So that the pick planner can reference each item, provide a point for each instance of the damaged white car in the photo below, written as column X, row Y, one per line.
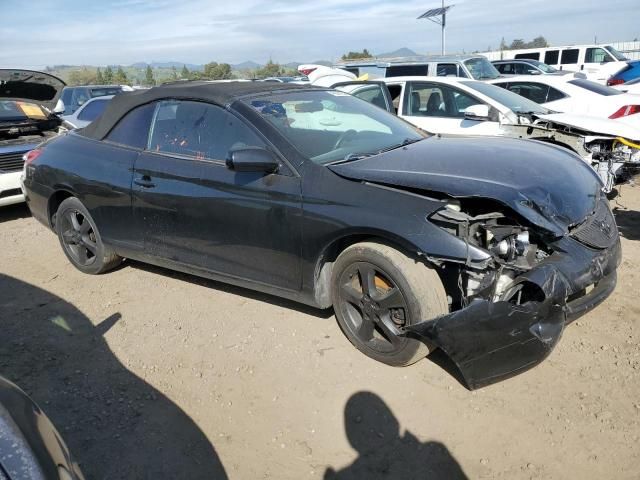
column 449, row 106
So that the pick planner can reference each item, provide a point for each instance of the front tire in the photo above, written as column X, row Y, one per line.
column 80, row 239
column 377, row 289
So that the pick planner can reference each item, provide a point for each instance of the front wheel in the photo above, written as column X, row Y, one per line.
column 80, row 239
column 376, row 290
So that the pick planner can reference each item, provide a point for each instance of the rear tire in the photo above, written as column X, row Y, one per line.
column 397, row 290
column 80, row 239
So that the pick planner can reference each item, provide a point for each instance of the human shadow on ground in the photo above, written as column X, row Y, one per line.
column 374, row 432
column 115, row 424
column 628, row 223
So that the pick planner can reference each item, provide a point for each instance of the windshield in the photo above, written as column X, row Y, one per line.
column 481, row 68
column 618, row 56
column 595, row 87
column 330, row 126
column 512, row 101
column 543, row 66
column 12, row 111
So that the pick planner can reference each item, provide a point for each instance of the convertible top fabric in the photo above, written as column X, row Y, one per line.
column 218, row 93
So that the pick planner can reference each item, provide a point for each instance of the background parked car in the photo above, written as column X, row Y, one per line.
column 526, row 67
column 74, row 97
column 596, row 61
column 30, row 446
column 24, row 124
column 576, row 96
column 465, row 66
column 88, row 112
column 450, row 106
column 628, row 73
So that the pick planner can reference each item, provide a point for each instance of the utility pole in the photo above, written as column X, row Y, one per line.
column 438, row 16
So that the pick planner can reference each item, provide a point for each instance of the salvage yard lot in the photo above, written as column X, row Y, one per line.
column 152, row 374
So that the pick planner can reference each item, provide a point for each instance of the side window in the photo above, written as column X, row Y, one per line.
column 199, row 130
column 570, row 56
column 535, row 92
column 529, row 55
column 93, row 110
column 372, row 94
column 447, row 70
column 506, row 68
column 429, row 100
column 551, row 57
column 133, row 129
column 596, row 55
column 407, row 70
column 554, row 94
column 520, row 69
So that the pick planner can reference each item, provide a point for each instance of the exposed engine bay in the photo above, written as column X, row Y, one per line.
column 515, row 248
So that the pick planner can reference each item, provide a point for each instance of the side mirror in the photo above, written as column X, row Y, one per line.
column 477, row 112
column 534, row 72
column 59, row 108
column 252, row 159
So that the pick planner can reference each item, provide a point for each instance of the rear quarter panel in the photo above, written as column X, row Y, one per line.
column 99, row 174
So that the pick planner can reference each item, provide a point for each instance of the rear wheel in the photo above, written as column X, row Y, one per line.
column 376, row 290
column 81, row 240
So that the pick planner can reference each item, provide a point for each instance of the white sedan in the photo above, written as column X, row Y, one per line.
column 450, row 106
column 88, row 112
column 576, row 95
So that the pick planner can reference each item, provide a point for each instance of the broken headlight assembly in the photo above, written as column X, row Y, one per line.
column 514, row 247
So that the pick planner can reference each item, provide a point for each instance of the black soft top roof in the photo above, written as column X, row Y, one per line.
column 221, row 94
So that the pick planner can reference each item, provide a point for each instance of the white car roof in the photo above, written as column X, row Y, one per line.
column 423, row 78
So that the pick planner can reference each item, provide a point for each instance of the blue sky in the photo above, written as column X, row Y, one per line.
column 34, row 33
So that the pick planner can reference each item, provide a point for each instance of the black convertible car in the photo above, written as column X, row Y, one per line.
column 484, row 248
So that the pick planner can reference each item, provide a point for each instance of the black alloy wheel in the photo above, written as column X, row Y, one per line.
column 373, row 307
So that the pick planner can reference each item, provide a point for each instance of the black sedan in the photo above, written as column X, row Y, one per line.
column 484, row 248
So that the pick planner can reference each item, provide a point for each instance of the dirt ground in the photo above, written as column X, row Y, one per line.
column 152, row 374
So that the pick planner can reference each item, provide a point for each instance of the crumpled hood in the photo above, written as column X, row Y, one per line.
column 549, row 186
column 596, row 125
column 30, row 86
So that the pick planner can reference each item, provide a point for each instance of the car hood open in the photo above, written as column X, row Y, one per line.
column 549, row 186
column 30, row 86
column 595, row 125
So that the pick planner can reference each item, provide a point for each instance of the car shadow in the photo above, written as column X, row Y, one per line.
column 232, row 289
column 115, row 424
column 14, row 212
column 374, row 432
column 628, row 223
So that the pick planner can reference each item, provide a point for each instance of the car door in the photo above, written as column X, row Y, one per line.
column 196, row 212
column 440, row 109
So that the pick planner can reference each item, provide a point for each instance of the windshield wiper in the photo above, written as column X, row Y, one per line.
column 404, row 143
column 352, row 157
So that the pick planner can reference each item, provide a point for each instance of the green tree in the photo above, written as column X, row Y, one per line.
column 271, row 69
column 357, row 55
column 538, row 42
column 217, row 71
column 184, row 73
column 148, row 77
column 174, row 73
column 120, row 77
column 99, row 77
column 517, row 44
column 108, row 75
column 82, row 76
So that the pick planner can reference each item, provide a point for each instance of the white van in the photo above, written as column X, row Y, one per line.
column 597, row 62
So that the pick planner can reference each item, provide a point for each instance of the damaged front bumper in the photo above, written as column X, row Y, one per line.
column 491, row 341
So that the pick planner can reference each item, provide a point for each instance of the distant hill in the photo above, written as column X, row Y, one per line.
column 248, row 65
column 178, row 65
column 401, row 52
